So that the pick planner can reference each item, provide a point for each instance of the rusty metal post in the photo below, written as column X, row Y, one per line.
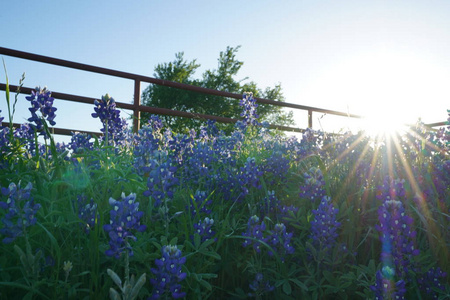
column 310, row 118
column 136, row 104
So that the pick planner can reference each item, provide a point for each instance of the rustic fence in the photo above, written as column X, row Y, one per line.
column 137, row 107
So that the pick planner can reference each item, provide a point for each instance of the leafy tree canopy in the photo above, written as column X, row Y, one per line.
column 223, row 78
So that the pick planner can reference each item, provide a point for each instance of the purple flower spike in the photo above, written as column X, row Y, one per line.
column 105, row 110
column 41, row 101
column 280, row 241
column 204, row 229
column 248, row 104
column 125, row 219
column 254, row 230
column 314, row 186
column 20, row 211
column 168, row 274
column 324, row 227
column 432, row 280
column 259, row 286
column 396, row 235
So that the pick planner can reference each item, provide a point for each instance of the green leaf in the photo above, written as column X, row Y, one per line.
column 206, row 284
column 114, row 295
column 174, row 241
column 211, row 254
column 329, row 276
column 137, row 287
column 115, row 278
column 311, row 248
column 299, row 284
column 206, row 244
column 287, row 289
column 197, row 241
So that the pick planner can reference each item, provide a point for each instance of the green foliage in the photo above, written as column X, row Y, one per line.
column 224, row 79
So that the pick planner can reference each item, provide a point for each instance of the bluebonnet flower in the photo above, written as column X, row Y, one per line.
column 431, row 280
column 124, row 220
column 87, row 212
column 4, row 141
column 180, row 146
column 280, row 241
column 391, row 189
column 147, row 145
column 105, row 110
column 25, row 134
column 386, row 288
column 210, row 131
column 80, row 142
column 324, row 227
column 397, row 237
column 314, row 186
column 248, row 104
column 161, row 182
column 254, row 230
column 119, row 133
column 204, row 229
column 41, row 101
column 197, row 168
column 228, row 185
column 309, row 144
column 199, row 203
column 259, row 286
column 168, row 274
column 250, row 175
column 276, row 166
column 269, row 205
column 20, row 211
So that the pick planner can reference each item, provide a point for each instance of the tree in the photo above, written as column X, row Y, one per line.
column 223, row 79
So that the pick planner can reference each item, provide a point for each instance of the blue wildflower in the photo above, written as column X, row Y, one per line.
column 391, row 189
column 20, row 211
column 124, row 220
column 259, row 286
column 87, row 212
column 250, row 176
column 248, row 104
column 431, row 281
column 147, row 145
column 397, row 237
column 314, row 186
column 386, row 288
column 254, row 230
column 276, row 166
column 161, row 182
column 41, row 101
column 199, row 203
column 204, row 229
column 280, row 241
column 324, row 227
column 168, row 274
column 105, row 110
column 80, row 142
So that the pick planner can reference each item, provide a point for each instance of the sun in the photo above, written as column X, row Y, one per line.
column 381, row 124
column 388, row 88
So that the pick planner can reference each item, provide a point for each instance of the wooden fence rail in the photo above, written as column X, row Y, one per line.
column 137, row 107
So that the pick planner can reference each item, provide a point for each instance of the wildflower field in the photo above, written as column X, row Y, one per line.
column 206, row 215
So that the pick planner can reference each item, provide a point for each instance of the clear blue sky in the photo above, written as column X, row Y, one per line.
column 358, row 56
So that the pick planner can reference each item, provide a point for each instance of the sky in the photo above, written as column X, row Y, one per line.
column 389, row 60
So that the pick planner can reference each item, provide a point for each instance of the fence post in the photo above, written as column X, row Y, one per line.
column 310, row 118
column 136, row 104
